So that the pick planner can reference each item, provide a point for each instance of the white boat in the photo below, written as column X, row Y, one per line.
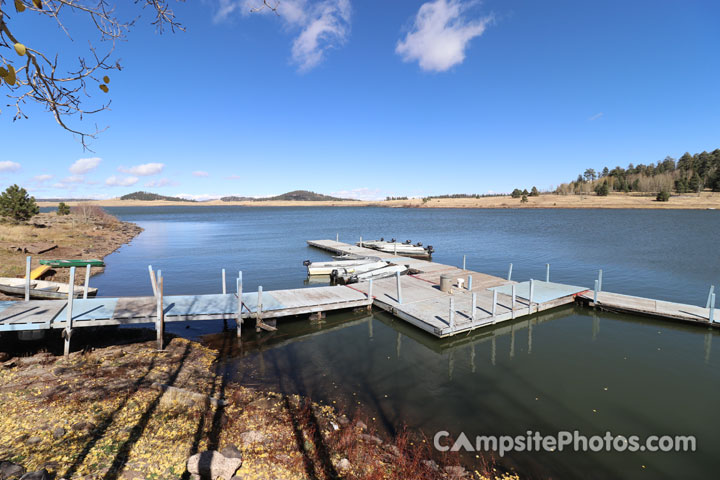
column 326, row 268
column 382, row 272
column 406, row 248
column 41, row 289
column 356, row 269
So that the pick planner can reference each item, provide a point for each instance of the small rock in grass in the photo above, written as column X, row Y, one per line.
column 430, row 464
column 231, row 452
column 212, row 464
column 59, row 432
column 455, row 471
column 344, row 465
column 252, row 436
column 33, row 440
column 9, row 470
column 39, row 475
column 361, row 425
column 370, row 439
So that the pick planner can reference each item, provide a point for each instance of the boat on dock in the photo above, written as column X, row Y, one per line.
column 383, row 272
column 94, row 262
column 398, row 248
column 345, row 262
column 40, row 289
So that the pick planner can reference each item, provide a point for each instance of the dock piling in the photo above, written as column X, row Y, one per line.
column 599, row 281
column 469, row 282
column 463, row 262
column 87, row 281
column 238, row 320
column 510, row 273
column 68, row 325
column 369, row 294
column 361, row 242
column 711, row 317
column 512, row 305
column 159, row 305
column 532, row 290
column 451, row 320
column 595, row 292
column 224, row 286
column 710, row 294
column 494, row 307
column 547, row 272
column 258, row 313
column 337, row 237
column 28, row 261
column 153, row 281
column 474, row 306
column 399, row 288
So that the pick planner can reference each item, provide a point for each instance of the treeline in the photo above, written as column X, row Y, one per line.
column 690, row 173
column 148, row 196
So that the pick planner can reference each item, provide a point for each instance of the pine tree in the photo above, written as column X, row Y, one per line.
column 17, row 204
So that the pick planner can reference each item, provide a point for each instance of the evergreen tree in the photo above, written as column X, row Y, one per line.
column 534, row 192
column 17, row 204
column 63, row 209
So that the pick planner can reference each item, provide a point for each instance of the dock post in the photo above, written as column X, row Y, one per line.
column 153, row 282
column 494, row 307
column 599, row 287
column 395, row 248
column 474, row 306
column 68, row 324
column 710, row 294
column 547, row 272
column 399, row 288
column 595, row 292
column 159, row 310
column 451, row 321
column 463, row 262
column 238, row 320
column 87, row 280
column 223, row 282
column 28, row 261
column 530, row 300
column 361, row 244
column 258, row 312
column 711, row 317
column 370, row 296
column 469, row 282
column 513, row 301
column 510, row 273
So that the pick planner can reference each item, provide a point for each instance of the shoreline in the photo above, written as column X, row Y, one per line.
column 124, row 410
column 701, row 201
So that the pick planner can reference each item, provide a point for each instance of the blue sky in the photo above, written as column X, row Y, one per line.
column 374, row 98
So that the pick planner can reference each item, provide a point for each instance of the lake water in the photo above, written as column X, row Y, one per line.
column 567, row 369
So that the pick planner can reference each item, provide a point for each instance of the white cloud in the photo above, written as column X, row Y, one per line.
column 200, row 173
column 42, row 178
column 143, row 170
column 7, row 166
column 121, row 181
column 322, row 24
column 85, row 165
column 73, row 179
column 596, row 116
column 440, row 35
column 162, row 182
column 359, row 194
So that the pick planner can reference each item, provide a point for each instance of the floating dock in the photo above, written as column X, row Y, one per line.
column 442, row 300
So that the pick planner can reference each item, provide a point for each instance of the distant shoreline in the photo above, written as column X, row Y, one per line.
column 702, row 201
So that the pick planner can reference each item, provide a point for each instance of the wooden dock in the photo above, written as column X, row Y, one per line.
column 417, row 298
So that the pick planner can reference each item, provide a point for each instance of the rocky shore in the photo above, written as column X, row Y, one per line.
column 131, row 412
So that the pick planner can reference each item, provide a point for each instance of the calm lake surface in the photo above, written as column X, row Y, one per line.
column 567, row 369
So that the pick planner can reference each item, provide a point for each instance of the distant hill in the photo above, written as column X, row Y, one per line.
column 147, row 196
column 65, row 199
column 294, row 196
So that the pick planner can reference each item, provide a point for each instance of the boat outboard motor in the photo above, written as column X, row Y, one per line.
column 419, row 244
column 430, row 249
column 353, row 279
column 307, row 263
column 407, row 242
column 382, row 239
column 392, row 240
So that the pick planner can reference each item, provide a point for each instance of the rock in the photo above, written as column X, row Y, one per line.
column 455, row 471
column 264, row 403
column 185, row 397
column 12, row 363
column 212, row 464
column 4, row 357
column 361, row 425
column 431, row 465
column 59, row 432
column 231, row 452
column 42, row 358
column 33, row 440
column 344, row 465
column 395, row 451
column 9, row 471
column 39, row 475
column 370, row 439
column 252, row 436
column 83, row 426
column 343, row 420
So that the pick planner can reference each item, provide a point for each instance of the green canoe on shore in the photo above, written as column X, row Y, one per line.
column 72, row 263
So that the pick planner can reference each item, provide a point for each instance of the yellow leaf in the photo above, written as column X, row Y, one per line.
column 3, row 72
column 104, row 88
column 106, row 79
column 20, row 49
column 10, row 77
column 19, row 6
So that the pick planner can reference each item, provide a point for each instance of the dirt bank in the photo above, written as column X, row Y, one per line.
column 80, row 235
